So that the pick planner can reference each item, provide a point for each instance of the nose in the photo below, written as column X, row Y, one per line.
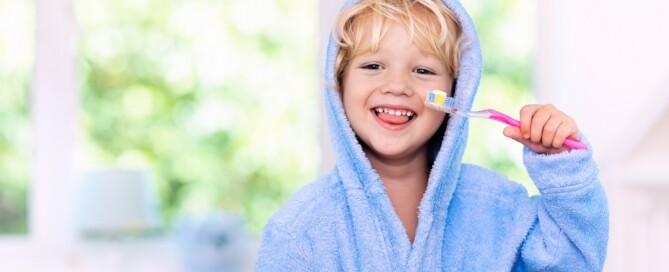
column 397, row 83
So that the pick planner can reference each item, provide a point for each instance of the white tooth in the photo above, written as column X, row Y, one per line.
column 378, row 110
column 409, row 114
column 391, row 112
column 398, row 113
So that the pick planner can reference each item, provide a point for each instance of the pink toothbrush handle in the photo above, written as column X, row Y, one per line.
column 501, row 117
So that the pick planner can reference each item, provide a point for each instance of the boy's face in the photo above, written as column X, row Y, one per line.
column 383, row 95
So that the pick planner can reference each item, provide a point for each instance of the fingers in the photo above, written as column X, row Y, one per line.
column 550, row 132
column 513, row 133
column 539, row 120
column 560, row 135
column 543, row 128
column 566, row 130
column 526, row 114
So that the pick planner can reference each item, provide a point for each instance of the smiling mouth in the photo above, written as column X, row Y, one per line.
column 394, row 116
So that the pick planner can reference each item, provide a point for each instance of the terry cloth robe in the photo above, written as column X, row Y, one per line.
column 469, row 219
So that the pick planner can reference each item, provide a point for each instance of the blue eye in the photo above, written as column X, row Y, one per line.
column 372, row 66
column 424, row 71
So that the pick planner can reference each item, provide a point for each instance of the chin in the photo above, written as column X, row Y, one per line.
column 390, row 151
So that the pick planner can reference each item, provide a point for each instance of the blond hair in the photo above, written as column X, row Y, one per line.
column 430, row 24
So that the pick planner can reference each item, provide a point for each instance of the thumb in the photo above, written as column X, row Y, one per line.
column 514, row 133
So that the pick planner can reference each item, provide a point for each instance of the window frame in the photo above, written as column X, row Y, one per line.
column 53, row 104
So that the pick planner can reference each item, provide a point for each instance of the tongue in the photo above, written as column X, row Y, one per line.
column 393, row 119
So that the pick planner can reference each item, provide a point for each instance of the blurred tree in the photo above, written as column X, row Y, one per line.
column 217, row 98
column 507, row 31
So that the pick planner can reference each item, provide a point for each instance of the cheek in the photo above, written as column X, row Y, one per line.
column 436, row 120
column 351, row 105
column 353, row 96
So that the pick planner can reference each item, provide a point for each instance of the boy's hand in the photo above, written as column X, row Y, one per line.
column 543, row 128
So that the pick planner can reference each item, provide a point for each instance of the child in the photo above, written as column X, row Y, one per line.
column 399, row 198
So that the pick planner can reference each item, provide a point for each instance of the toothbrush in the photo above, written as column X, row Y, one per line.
column 440, row 101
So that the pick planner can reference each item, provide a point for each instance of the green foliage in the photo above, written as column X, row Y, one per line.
column 16, row 54
column 217, row 98
column 507, row 34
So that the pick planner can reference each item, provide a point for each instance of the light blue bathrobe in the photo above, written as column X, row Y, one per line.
column 470, row 218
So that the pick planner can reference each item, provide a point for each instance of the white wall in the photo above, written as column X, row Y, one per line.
column 607, row 63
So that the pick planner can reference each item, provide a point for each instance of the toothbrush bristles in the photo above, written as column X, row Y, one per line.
column 439, row 100
column 442, row 108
